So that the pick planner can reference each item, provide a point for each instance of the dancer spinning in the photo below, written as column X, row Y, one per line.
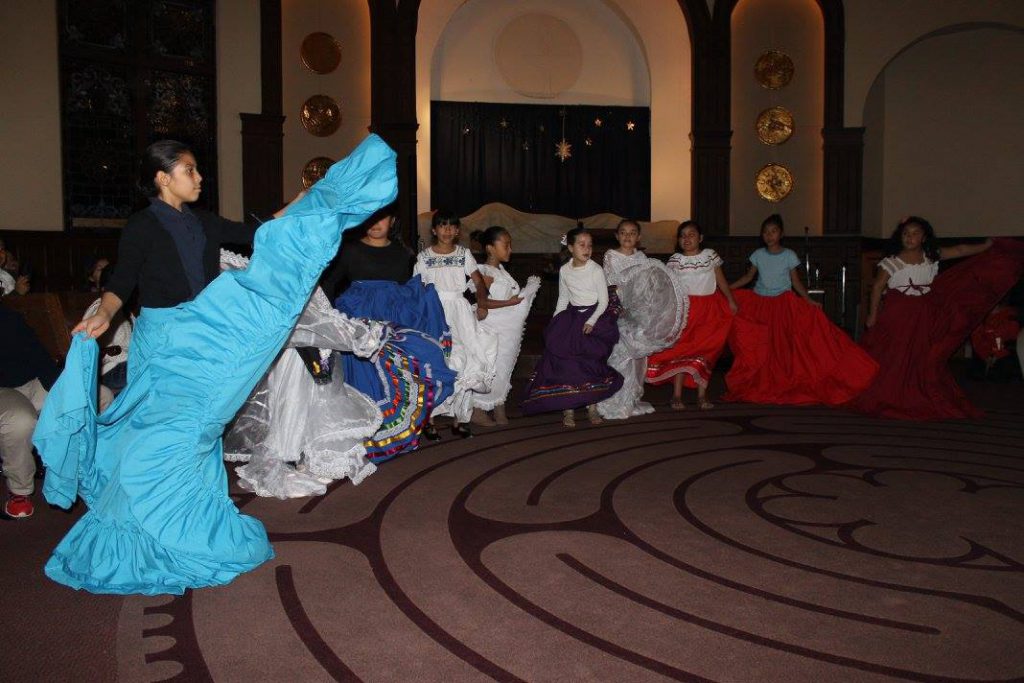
column 691, row 359
column 786, row 351
column 925, row 317
column 574, row 371
column 303, row 426
column 410, row 377
column 652, row 310
column 507, row 308
column 149, row 468
column 448, row 266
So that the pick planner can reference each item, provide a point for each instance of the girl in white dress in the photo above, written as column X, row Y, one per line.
column 448, row 266
column 654, row 306
column 507, row 308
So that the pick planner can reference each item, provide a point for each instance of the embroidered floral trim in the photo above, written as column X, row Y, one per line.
column 456, row 259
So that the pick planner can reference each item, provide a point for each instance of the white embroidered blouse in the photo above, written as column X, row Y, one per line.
column 616, row 262
column 912, row 279
column 697, row 271
column 447, row 272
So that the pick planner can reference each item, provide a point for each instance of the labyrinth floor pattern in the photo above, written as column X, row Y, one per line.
column 744, row 544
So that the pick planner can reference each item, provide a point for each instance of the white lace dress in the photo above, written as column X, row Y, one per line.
column 507, row 324
column 474, row 348
column 653, row 313
column 294, row 435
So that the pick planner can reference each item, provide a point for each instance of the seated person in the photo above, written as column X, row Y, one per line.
column 26, row 374
column 10, row 281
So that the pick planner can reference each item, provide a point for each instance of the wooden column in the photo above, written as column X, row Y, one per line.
column 393, row 95
column 711, row 137
column 843, row 147
column 263, row 133
column 843, row 182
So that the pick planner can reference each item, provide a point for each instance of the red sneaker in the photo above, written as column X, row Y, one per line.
column 19, row 507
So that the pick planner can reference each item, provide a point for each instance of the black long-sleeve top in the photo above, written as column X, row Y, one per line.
column 148, row 259
column 22, row 356
column 360, row 261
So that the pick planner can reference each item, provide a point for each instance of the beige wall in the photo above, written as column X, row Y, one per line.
column 30, row 175
column 876, row 30
column 349, row 22
column 795, row 27
column 945, row 135
column 634, row 52
column 238, row 91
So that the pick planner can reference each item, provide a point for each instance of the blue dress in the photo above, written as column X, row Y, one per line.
column 410, row 376
column 150, row 467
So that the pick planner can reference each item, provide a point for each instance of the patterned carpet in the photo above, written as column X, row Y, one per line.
column 749, row 543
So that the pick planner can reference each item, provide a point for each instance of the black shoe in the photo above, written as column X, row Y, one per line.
column 461, row 431
column 430, row 433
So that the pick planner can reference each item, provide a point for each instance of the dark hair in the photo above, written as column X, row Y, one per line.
column 688, row 224
column 930, row 244
column 489, row 236
column 629, row 221
column 445, row 217
column 389, row 211
column 162, row 155
column 776, row 220
column 570, row 237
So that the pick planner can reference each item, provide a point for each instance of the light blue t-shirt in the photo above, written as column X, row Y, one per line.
column 773, row 271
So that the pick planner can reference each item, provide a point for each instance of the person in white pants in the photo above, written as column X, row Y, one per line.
column 26, row 373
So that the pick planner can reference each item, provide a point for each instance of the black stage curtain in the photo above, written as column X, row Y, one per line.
column 483, row 152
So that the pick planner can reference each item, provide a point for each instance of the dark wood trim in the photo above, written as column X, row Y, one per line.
column 270, row 57
column 843, row 180
column 393, row 94
column 263, row 133
column 262, row 165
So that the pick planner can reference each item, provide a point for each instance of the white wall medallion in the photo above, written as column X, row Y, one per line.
column 538, row 55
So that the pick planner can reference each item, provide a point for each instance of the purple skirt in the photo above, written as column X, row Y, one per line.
column 574, row 370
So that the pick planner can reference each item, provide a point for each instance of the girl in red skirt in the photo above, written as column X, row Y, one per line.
column 691, row 359
column 786, row 351
column 926, row 317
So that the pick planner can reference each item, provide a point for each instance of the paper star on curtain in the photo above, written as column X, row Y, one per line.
column 563, row 150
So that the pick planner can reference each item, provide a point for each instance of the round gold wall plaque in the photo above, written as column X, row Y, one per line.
column 314, row 170
column 320, row 115
column 774, row 182
column 320, row 53
column 773, row 70
column 774, row 126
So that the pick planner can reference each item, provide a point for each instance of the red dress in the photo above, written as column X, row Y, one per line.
column 990, row 337
column 915, row 336
column 707, row 325
column 786, row 351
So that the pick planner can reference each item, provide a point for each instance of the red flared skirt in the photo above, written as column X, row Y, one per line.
column 915, row 336
column 786, row 351
column 699, row 345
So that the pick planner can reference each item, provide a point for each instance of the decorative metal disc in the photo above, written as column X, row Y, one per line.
column 774, row 126
column 774, row 182
column 773, row 70
column 320, row 115
column 314, row 170
column 320, row 53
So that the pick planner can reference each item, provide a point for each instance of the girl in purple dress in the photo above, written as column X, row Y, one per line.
column 574, row 370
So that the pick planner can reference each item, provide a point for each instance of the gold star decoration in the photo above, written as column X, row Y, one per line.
column 503, row 123
column 598, row 122
column 563, row 150
column 630, row 125
column 465, row 130
column 526, row 146
column 588, row 142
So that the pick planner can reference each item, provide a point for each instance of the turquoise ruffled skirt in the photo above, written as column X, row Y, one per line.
column 150, row 467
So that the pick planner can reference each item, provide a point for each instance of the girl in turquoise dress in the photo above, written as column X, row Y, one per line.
column 150, row 467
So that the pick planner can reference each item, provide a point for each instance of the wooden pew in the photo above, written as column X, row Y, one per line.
column 45, row 315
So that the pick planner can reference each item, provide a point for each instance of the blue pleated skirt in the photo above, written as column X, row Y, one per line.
column 409, row 377
column 150, row 467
